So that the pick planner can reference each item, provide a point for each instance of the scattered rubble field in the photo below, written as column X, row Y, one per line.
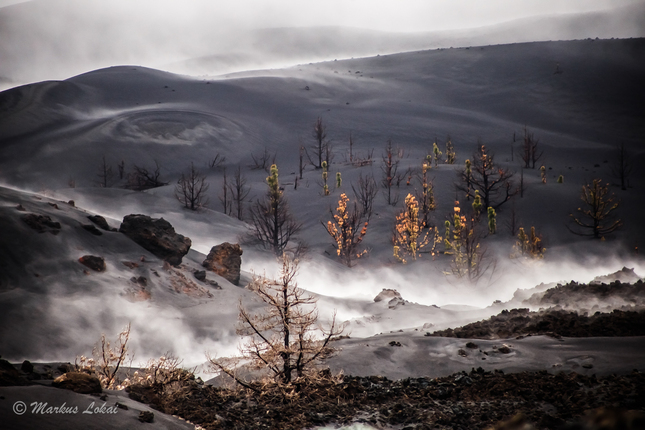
column 474, row 400
column 556, row 323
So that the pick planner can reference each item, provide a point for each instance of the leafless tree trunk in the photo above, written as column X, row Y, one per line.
column 239, row 191
column 530, row 154
column 622, row 166
column 319, row 133
column 283, row 338
column 121, row 166
column 262, row 161
column 104, row 174
column 365, row 191
column 225, row 198
column 390, row 166
column 493, row 183
column 216, row 161
column 273, row 223
column 512, row 222
column 191, row 189
column 142, row 179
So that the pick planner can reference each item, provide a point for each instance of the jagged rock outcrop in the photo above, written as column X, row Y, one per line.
column 78, row 382
column 386, row 295
column 157, row 236
column 392, row 297
column 225, row 259
column 625, row 275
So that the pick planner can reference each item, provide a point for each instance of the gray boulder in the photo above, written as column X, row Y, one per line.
column 157, row 236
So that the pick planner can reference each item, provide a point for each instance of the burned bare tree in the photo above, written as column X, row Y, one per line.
column 390, row 167
column 216, row 161
column 512, row 223
column 104, row 175
column 225, row 197
column 622, row 166
column 121, row 167
column 239, row 192
column 143, row 179
column 285, row 338
column 492, row 182
column 273, row 223
column 320, row 134
column 530, row 153
column 597, row 217
column 191, row 189
column 365, row 191
column 262, row 161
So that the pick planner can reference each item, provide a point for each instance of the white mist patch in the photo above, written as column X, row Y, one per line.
column 427, row 283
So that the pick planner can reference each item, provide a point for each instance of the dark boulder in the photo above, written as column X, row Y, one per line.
column 41, row 223
column 200, row 275
column 146, row 416
column 157, row 236
column 27, row 367
column 100, row 221
column 92, row 229
column 78, row 382
column 225, row 259
column 93, row 262
column 9, row 375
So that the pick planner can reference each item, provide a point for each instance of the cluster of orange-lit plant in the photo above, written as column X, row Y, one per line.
column 344, row 229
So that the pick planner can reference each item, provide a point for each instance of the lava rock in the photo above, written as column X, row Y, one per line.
column 92, row 229
column 27, row 367
column 146, row 417
column 78, row 382
column 9, row 375
column 157, row 236
column 225, row 259
column 200, row 275
column 41, row 223
column 100, row 221
column 93, row 262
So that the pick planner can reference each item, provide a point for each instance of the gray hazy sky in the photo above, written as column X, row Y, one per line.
column 399, row 15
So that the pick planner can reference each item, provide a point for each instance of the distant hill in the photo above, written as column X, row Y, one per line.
column 56, row 39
